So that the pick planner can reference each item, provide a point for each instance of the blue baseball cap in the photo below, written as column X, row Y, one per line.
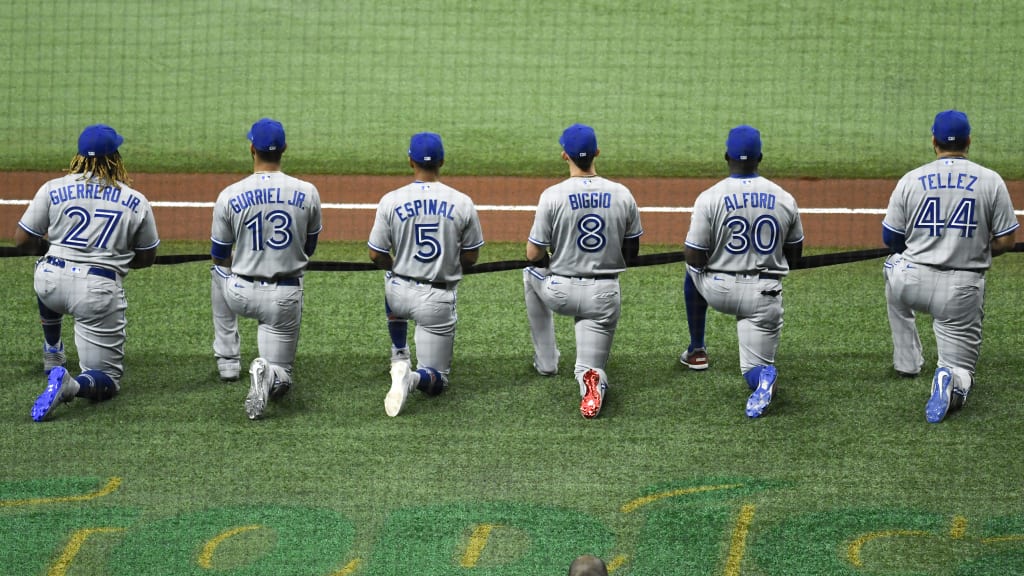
column 99, row 140
column 579, row 141
column 743, row 143
column 951, row 126
column 426, row 148
column 267, row 135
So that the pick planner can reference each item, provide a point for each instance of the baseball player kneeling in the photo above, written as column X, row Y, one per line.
column 98, row 228
column 945, row 222
column 434, row 233
column 585, row 231
column 744, row 233
column 273, row 222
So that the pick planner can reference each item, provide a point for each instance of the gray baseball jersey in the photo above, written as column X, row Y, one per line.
column 92, row 228
column 582, row 220
column 742, row 223
column 91, row 223
column 267, row 217
column 949, row 210
column 420, row 222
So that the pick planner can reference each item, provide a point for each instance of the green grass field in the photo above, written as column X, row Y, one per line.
column 839, row 89
column 500, row 475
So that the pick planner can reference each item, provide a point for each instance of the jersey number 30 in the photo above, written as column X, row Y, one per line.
column 762, row 233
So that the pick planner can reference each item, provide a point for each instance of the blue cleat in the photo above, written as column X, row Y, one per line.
column 58, row 389
column 764, row 392
column 942, row 388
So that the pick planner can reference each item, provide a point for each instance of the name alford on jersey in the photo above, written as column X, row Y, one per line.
column 749, row 200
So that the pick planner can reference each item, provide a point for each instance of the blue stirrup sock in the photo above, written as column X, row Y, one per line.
column 398, row 329
column 696, row 314
column 51, row 322
column 431, row 381
column 95, row 385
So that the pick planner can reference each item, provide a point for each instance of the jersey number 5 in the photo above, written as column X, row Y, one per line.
column 429, row 245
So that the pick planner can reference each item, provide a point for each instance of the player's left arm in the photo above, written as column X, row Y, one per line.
column 468, row 258
column 537, row 255
column 383, row 260
column 1005, row 243
column 30, row 244
column 143, row 259
column 695, row 258
column 630, row 249
column 793, row 251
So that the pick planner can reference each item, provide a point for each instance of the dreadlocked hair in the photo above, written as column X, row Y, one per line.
column 107, row 169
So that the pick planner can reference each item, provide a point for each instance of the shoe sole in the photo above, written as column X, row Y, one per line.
column 937, row 407
column 697, row 367
column 396, row 396
column 590, row 406
column 256, row 401
column 763, row 395
column 51, row 396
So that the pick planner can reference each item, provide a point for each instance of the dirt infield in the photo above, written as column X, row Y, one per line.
column 666, row 227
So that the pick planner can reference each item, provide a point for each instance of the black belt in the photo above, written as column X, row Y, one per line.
column 762, row 275
column 94, row 270
column 438, row 285
column 597, row 277
column 280, row 281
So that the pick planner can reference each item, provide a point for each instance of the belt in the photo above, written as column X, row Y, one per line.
column 280, row 281
column 94, row 270
column 596, row 277
column 762, row 275
column 438, row 285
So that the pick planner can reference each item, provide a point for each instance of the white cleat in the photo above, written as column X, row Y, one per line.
column 229, row 370
column 401, row 385
column 259, row 390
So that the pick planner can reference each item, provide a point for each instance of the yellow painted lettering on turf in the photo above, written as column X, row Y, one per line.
column 853, row 550
column 349, row 568
column 998, row 539
column 616, row 563
column 60, row 568
column 107, row 489
column 959, row 528
column 477, row 543
column 644, row 500
column 206, row 555
column 738, row 541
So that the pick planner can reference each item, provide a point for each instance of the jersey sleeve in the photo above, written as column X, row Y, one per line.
column 698, row 236
column 796, row 227
column 540, row 233
column 315, row 224
column 36, row 220
column 634, row 228
column 1004, row 220
column 146, row 236
column 380, row 234
column 472, row 234
column 221, row 231
column 895, row 215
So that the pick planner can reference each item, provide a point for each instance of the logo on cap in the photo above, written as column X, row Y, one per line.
column 579, row 141
column 743, row 143
column 426, row 148
column 951, row 126
column 267, row 135
column 99, row 140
